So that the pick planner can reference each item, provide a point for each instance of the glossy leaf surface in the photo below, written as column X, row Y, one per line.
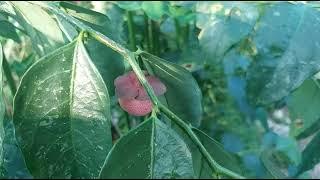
column 62, row 115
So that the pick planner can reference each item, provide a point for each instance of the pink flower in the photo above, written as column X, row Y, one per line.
column 131, row 95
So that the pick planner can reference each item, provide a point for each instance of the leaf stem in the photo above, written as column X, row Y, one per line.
column 195, row 139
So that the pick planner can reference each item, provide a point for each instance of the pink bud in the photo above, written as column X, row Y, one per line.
column 158, row 87
column 125, row 87
column 132, row 96
column 136, row 107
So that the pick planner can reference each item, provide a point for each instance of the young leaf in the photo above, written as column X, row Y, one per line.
column 152, row 150
column 183, row 94
column 303, row 105
column 285, row 59
column 40, row 26
column 62, row 115
column 7, row 30
column 310, row 155
column 95, row 20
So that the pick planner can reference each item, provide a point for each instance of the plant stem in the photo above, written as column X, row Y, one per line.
column 155, row 32
column 146, row 34
column 194, row 138
column 8, row 74
column 150, row 36
column 128, row 120
column 142, row 79
column 116, row 134
column 186, row 34
column 212, row 96
column 131, row 30
column 177, row 26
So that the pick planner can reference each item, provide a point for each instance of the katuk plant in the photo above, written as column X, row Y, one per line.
column 137, row 94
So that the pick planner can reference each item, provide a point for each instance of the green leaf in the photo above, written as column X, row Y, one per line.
column 40, row 26
column 95, row 20
column 303, row 106
column 271, row 167
column 6, row 8
column 108, row 62
column 289, row 147
column 1, row 86
column 183, row 14
column 129, row 5
column 284, row 57
column 220, row 33
column 7, row 30
column 183, row 95
column 62, row 115
column 218, row 36
column 14, row 166
column 201, row 166
column 2, row 111
column 68, row 30
column 155, row 9
column 202, row 169
column 152, row 150
column 21, row 67
column 310, row 155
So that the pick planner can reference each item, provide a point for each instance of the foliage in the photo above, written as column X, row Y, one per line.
column 170, row 89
